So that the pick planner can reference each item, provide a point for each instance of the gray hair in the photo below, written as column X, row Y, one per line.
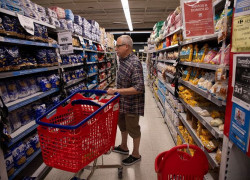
column 126, row 39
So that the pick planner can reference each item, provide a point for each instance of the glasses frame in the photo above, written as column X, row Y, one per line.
column 117, row 46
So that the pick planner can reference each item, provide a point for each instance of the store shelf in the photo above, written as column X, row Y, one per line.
column 104, row 79
column 167, row 121
column 75, row 81
column 168, row 86
column 200, row 39
column 202, row 92
column 27, row 100
column 168, row 48
column 26, row 42
column 100, row 71
column 170, row 34
column 71, row 65
column 22, row 132
column 210, row 156
column 92, row 62
column 204, row 120
column 202, row 65
column 101, row 61
column 12, row 13
column 169, row 75
column 77, row 48
column 167, row 61
column 28, row 71
column 28, row 161
column 92, row 86
column 92, row 74
column 161, row 109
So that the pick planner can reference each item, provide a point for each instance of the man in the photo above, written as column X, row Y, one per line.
column 130, row 84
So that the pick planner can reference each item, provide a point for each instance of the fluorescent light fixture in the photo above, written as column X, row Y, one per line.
column 127, row 14
column 131, row 32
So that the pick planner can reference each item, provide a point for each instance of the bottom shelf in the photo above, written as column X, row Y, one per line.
column 28, row 161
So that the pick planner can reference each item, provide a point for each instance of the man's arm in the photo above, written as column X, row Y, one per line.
column 123, row 91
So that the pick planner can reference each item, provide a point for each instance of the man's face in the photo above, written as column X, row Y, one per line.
column 121, row 49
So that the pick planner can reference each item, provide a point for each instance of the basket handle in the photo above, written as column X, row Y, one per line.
column 184, row 146
column 87, row 102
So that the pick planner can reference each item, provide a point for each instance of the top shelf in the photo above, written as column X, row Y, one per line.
column 170, row 34
column 169, row 48
column 12, row 13
column 200, row 39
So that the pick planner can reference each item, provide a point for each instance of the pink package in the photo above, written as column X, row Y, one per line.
column 59, row 11
column 178, row 18
column 210, row 55
column 216, row 59
column 227, row 53
column 172, row 19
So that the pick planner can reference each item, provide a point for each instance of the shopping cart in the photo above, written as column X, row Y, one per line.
column 179, row 165
column 79, row 130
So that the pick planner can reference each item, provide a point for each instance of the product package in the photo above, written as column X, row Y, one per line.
column 19, row 155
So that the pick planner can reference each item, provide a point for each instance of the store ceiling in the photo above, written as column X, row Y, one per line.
column 109, row 13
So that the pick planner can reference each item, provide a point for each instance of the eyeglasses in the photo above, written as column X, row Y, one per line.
column 119, row 45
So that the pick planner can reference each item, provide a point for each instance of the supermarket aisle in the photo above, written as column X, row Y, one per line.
column 155, row 139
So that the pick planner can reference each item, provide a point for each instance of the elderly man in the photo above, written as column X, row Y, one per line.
column 130, row 84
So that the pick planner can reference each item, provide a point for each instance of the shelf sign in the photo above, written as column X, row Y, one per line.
column 66, row 49
column 90, row 43
column 64, row 38
column 81, row 40
column 198, row 18
column 26, row 23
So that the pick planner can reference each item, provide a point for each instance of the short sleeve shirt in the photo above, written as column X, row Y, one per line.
column 130, row 74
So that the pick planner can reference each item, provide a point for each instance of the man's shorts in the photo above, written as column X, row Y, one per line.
column 130, row 123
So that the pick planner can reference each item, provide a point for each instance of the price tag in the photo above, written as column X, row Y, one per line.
column 90, row 42
column 26, row 23
column 64, row 38
column 213, row 132
column 66, row 49
column 81, row 40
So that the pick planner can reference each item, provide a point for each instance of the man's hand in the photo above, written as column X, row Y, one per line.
column 111, row 91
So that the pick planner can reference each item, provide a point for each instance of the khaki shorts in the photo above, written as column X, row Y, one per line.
column 130, row 123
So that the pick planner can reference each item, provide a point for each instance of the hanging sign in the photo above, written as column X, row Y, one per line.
column 64, row 38
column 241, row 80
column 26, row 23
column 198, row 18
column 81, row 40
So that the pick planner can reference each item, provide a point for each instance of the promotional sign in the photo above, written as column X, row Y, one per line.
column 198, row 18
column 242, row 7
column 26, row 23
column 66, row 49
column 239, row 128
column 65, row 42
column 241, row 80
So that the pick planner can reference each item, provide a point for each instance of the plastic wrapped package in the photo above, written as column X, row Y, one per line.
column 4, row 93
column 210, row 55
column 40, row 9
column 9, row 162
column 12, row 6
column 59, row 11
column 23, row 116
column 8, row 25
column 43, row 18
column 39, row 110
column 54, row 22
column 29, row 150
column 4, row 65
column 27, row 3
column 69, row 14
column 51, row 13
column 41, row 57
column 18, row 153
column 78, row 20
column 34, row 141
column 51, row 57
column 23, row 88
column 226, row 55
column 216, row 122
column 63, row 24
column 32, row 85
column 77, row 29
column 31, row 13
column 220, row 74
column 202, row 53
column 216, row 59
column 12, row 90
column 70, row 25
column 44, row 83
column 54, row 80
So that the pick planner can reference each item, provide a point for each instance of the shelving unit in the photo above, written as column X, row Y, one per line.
column 202, row 65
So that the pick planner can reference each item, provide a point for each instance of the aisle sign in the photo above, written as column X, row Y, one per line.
column 65, row 38
column 198, row 18
column 241, row 80
column 27, row 23
column 239, row 127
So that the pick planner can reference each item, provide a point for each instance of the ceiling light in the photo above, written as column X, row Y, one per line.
column 131, row 32
column 127, row 14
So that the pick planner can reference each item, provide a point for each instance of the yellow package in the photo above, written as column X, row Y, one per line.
column 189, row 53
column 186, row 74
column 202, row 52
column 183, row 54
column 195, row 53
column 179, row 141
column 215, row 114
column 181, row 88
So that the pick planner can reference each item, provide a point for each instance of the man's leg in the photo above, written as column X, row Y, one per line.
column 135, row 152
column 124, row 144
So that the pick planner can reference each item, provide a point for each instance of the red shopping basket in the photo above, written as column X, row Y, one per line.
column 78, row 130
column 176, row 164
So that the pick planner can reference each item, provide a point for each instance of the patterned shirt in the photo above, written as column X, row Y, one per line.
column 130, row 74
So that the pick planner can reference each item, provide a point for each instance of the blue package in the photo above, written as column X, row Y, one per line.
column 95, row 68
column 70, row 25
column 63, row 24
column 51, row 56
column 41, row 57
column 69, row 14
column 29, row 150
column 4, row 66
column 13, row 57
column 54, row 80
column 12, row 90
column 72, row 75
column 14, row 121
column 4, row 93
column 23, row 117
column 18, row 153
column 32, row 85
column 39, row 110
column 9, row 162
column 73, row 59
column 56, row 100
column 8, row 24
column 78, row 20
column 22, row 88
column 44, row 83
column 79, row 58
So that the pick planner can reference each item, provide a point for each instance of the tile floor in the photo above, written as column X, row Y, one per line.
column 155, row 139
